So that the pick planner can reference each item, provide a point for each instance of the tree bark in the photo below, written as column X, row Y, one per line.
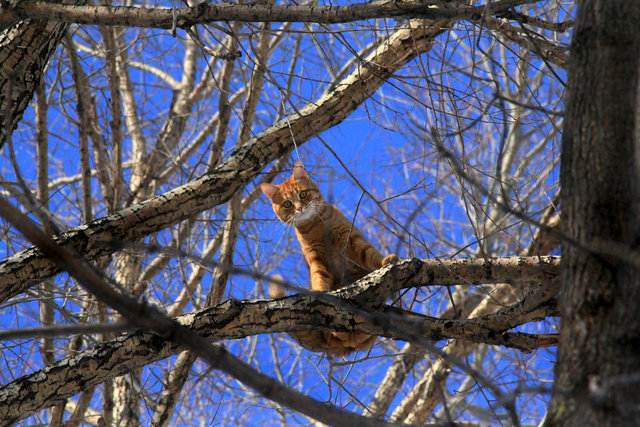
column 205, row 13
column 596, row 375
column 25, row 48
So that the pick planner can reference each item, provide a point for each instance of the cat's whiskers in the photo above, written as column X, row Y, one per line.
column 308, row 212
column 282, row 225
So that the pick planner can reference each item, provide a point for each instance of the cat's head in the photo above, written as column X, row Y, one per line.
column 297, row 200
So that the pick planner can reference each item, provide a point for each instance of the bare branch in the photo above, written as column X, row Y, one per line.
column 57, row 330
column 553, row 53
column 237, row 319
column 152, row 318
column 211, row 12
column 28, row 267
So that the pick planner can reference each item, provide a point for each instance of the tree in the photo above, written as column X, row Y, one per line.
column 597, row 369
column 435, row 126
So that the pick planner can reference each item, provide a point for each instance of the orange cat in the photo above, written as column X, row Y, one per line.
column 336, row 252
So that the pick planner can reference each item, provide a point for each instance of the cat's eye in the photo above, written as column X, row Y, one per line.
column 287, row 204
column 303, row 194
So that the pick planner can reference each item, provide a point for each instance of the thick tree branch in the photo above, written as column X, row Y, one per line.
column 516, row 271
column 186, row 17
column 237, row 319
column 28, row 267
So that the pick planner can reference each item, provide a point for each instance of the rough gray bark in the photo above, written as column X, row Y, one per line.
column 596, row 375
column 25, row 48
column 237, row 319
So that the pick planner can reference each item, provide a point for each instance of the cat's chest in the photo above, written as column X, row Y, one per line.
column 326, row 234
column 331, row 247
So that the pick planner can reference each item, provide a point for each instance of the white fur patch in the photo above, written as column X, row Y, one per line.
column 307, row 213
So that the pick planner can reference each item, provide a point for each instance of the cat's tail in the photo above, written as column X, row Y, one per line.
column 335, row 343
column 276, row 290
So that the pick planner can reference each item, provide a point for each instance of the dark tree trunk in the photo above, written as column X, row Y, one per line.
column 25, row 48
column 597, row 375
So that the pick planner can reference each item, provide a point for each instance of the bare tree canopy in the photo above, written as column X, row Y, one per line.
column 138, row 245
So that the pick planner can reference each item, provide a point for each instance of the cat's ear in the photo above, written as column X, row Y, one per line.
column 269, row 190
column 299, row 172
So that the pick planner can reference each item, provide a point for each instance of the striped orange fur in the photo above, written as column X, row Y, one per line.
column 336, row 252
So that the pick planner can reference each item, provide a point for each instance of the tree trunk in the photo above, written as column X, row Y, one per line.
column 598, row 366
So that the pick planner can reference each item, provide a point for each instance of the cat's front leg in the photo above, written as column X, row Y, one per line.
column 369, row 257
column 321, row 277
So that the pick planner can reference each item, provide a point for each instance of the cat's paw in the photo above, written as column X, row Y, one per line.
column 390, row 259
column 275, row 290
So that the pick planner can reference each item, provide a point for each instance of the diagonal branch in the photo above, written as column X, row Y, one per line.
column 549, row 51
column 30, row 266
